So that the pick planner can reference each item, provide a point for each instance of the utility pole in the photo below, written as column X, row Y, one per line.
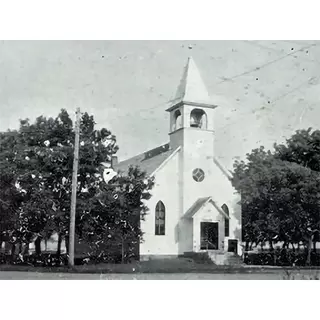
column 74, row 189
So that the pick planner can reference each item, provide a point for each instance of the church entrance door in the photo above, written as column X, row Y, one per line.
column 209, row 232
column 233, row 246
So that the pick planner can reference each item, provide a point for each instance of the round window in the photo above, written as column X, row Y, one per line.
column 198, row 175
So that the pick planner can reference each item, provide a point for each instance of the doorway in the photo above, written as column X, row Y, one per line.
column 233, row 246
column 209, row 233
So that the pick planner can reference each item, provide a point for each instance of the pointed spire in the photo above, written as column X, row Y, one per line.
column 192, row 88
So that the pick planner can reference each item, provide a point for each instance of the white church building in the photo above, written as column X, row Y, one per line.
column 194, row 208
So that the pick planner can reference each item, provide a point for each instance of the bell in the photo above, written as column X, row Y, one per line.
column 195, row 122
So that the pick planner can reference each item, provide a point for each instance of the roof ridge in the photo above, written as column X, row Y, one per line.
column 149, row 160
column 144, row 152
column 155, row 151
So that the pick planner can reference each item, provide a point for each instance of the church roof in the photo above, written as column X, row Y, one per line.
column 199, row 204
column 192, row 88
column 148, row 161
column 151, row 160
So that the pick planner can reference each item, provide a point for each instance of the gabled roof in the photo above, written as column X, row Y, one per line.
column 148, row 161
column 151, row 160
column 199, row 204
column 192, row 88
column 196, row 207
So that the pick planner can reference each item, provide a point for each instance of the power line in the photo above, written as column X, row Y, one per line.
column 231, row 78
column 228, row 79
column 265, row 64
column 236, row 76
column 309, row 81
column 244, row 114
column 295, row 89
column 294, row 42
column 253, row 43
column 275, row 100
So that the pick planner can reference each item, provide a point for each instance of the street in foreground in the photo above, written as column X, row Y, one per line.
column 279, row 275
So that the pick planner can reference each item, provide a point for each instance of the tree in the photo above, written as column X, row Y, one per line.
column 10, row 196
column 10, row 200
column 39, row 157
column 112, row 225
column 253, row 180
column 280, row 192
column 304, row 148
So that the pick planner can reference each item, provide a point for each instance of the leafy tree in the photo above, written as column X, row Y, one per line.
column 40, row 157
column 252, row 180
column 10, row 196
column 280, row 192
column 10, row 200
column 112, row 225
column 304, row 148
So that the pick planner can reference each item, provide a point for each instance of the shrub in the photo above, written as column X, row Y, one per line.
column 282, row 258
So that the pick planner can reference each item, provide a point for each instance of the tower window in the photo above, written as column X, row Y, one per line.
column 198, row 119
column 177, row 121
column 160, row 222
column 226, row 220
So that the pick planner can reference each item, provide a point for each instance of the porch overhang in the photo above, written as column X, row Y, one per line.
column 199, row 204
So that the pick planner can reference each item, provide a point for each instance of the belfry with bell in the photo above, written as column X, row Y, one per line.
column 192, row 109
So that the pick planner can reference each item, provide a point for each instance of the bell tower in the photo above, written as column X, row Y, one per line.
column 192, row 129
column 192, row 109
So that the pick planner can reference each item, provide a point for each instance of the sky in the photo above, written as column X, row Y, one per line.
column 265, row 90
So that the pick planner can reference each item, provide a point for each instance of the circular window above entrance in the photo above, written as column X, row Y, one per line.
column 198, row 175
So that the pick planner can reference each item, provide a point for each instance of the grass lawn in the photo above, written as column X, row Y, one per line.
column 165, row 266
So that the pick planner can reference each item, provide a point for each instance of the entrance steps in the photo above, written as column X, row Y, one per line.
column 226, row 258
column 199, row 257
column 216, row 257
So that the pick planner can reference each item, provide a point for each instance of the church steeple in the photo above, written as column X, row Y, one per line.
column 192, row 106
column 192, row 89
column 192, row 130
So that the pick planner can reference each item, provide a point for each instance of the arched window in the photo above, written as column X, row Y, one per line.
column 198, row 119
column 226, row 220
column 160, row 219
column 177, row 124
